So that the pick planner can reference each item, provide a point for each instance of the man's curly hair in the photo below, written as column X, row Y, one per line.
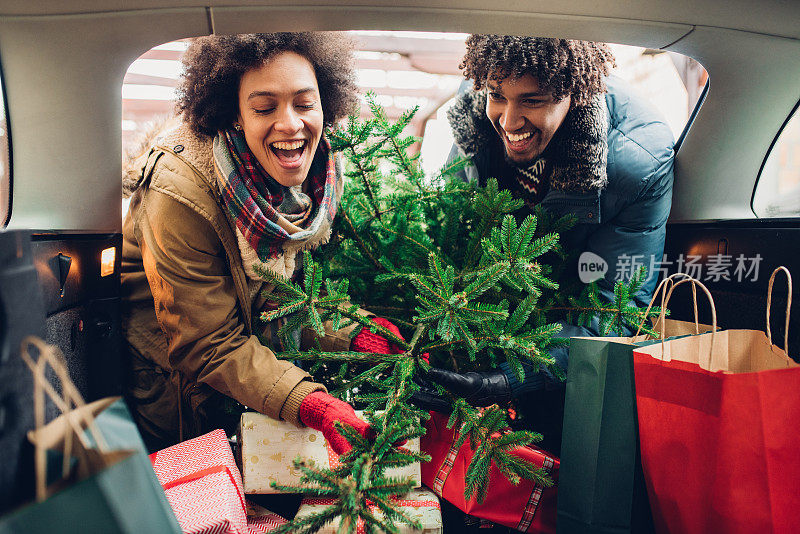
column 213, row 66
column 561, row 66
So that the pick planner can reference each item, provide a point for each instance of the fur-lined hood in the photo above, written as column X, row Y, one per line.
column 578, row 152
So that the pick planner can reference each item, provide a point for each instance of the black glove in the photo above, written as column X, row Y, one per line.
column 478, row 389
column 429, row 399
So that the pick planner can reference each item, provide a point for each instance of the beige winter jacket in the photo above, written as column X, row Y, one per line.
column 188, row 311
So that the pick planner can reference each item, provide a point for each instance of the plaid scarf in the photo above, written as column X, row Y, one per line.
column 261, row 207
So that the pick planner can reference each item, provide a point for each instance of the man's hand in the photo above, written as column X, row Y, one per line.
column 478, row 389
column 429, row 399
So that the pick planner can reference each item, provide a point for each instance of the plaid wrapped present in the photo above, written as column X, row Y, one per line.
column 526, row 507
column 267, row 448
column 420, row 503
column 203, row 485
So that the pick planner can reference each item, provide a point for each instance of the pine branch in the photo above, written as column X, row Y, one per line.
column 359, row 379
column 362, row 245
column 349, row 356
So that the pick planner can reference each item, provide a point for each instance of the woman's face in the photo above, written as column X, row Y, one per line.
column 281, row 115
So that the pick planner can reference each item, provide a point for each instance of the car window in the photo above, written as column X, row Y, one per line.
column 777, row 192
column 5, row 161
column 405, row 69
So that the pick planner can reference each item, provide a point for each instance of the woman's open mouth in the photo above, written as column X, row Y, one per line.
column 289, row 153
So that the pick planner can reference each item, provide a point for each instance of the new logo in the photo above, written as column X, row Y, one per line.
column 591, row 267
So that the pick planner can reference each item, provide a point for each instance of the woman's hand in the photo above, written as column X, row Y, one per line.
column 320, row 411
column 368, row 341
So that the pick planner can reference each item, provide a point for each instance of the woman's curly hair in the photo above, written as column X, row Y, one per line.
column 213, row 66
column 561, row 66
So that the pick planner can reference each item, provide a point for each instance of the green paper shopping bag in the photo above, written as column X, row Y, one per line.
column 601, row 486
column 99, row 487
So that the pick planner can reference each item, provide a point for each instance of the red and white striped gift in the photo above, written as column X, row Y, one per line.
column 203, row 485
column 260, row 520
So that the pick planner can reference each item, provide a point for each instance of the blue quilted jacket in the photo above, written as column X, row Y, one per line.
column 622, row 220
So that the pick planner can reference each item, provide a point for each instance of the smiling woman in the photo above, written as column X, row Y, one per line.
column 234, row 187
column 281, row 116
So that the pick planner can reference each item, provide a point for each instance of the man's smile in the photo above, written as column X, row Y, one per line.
column 518, row 137
column 519, row 143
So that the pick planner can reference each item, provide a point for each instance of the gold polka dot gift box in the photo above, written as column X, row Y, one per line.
column 267, row 448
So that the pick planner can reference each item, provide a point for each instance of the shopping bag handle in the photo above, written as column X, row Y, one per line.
column 662, row 288
column 69, row 399
column 694, row 283
column 788, row 307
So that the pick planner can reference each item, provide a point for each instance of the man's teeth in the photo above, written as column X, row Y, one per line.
column 288, row 145
column 517, row 137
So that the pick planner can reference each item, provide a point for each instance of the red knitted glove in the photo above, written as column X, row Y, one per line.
column 320, row 410
column 368, row 341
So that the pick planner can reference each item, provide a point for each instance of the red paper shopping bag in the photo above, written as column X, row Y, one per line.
column 718, row 429
column 203, row 485
column 526, row 506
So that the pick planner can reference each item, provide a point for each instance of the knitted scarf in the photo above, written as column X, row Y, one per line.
column 533, row 181
column 266, row 213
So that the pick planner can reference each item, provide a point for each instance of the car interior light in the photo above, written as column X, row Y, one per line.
column 107, row 261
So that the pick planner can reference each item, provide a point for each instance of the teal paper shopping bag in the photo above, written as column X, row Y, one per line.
column 101, row 485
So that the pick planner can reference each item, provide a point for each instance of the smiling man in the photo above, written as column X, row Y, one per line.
column 548, row 122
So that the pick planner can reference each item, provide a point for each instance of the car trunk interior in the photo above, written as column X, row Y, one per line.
column 739, row 304
column 52, row 282
column 51, row 287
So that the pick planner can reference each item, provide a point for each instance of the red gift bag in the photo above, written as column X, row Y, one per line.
column 718, row 429
column 526, row 506
column 203, row 485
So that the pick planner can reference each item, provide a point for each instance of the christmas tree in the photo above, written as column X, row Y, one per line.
column 473, row 283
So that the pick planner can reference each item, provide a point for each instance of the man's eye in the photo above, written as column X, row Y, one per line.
column 306, row 106
column 264, row 111
column 495, row 96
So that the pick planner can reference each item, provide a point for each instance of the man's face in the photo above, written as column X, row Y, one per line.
column 525, row 117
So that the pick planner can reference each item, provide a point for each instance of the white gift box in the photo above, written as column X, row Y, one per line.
column 268, row 447
column 421, row 504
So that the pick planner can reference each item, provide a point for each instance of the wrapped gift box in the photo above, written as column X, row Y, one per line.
column 260, row 520
column 420, row 503
column 203, row 485
column 268, row 448
column 526, row 506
